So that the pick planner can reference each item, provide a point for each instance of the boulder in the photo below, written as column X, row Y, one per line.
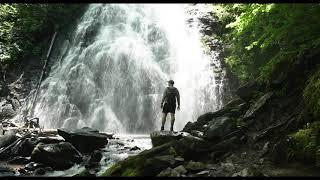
column 220, row 127
column 161, row 137
column 191, row 147
column 85, row 139
column 95, row 157
column 94, row 160
column 135, row 148
column 226, row 145
column 257, row 106
column 59, row 156
column 7, row 139
column 247, row 91
column 158, row 163
column 232, row 107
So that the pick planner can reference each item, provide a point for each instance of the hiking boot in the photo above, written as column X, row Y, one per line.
column 162, row 128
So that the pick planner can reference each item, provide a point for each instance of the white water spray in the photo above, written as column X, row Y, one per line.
column 114, row 74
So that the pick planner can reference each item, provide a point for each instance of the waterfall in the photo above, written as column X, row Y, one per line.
column 120, row 58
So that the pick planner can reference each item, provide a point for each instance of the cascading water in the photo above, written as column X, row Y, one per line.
column 113, row 75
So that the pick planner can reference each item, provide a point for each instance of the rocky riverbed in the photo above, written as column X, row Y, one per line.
column 65, row 152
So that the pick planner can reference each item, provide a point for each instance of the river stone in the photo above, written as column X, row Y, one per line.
column 197, row 133
column 33, row 166
column 181, row 169
column 204, row 173
column 220, row 127
column 19, row 160
column 169, row 172
column 161, row 137
column 59, row 156
column 257, row 106
column 195, row 166
column 135, row 148
column 6, row 171
column 49, row 140
column 246, row 172
column 85, row 139
column 39, row 172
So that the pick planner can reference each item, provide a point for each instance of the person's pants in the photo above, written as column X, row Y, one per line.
column 164, row 118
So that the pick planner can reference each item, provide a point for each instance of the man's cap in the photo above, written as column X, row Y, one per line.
column 171, row 81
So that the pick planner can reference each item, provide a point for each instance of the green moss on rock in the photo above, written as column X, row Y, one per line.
column 135, row 165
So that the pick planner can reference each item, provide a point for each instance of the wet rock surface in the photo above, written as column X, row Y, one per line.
column 85, row 139
column 58, row 156
column 162, row 137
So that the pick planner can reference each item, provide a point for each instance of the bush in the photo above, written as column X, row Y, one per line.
column 24, row 27
column 311, row 93
column 305, row 143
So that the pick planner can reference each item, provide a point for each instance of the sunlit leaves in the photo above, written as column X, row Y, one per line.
column 24, row 26
column 256, row 29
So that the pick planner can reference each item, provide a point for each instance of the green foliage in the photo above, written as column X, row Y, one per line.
column 24, row 26
column 311, row 93
column 305, row 143
column 264, row 38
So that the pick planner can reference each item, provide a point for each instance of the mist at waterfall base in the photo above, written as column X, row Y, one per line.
column 111, row 75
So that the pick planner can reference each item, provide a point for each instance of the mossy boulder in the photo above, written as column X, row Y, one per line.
column 137, row 165
column 219, row 127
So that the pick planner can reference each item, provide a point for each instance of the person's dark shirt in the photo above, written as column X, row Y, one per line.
column 170, row 95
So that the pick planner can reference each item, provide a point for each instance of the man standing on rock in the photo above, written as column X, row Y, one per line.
column 169, row 99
